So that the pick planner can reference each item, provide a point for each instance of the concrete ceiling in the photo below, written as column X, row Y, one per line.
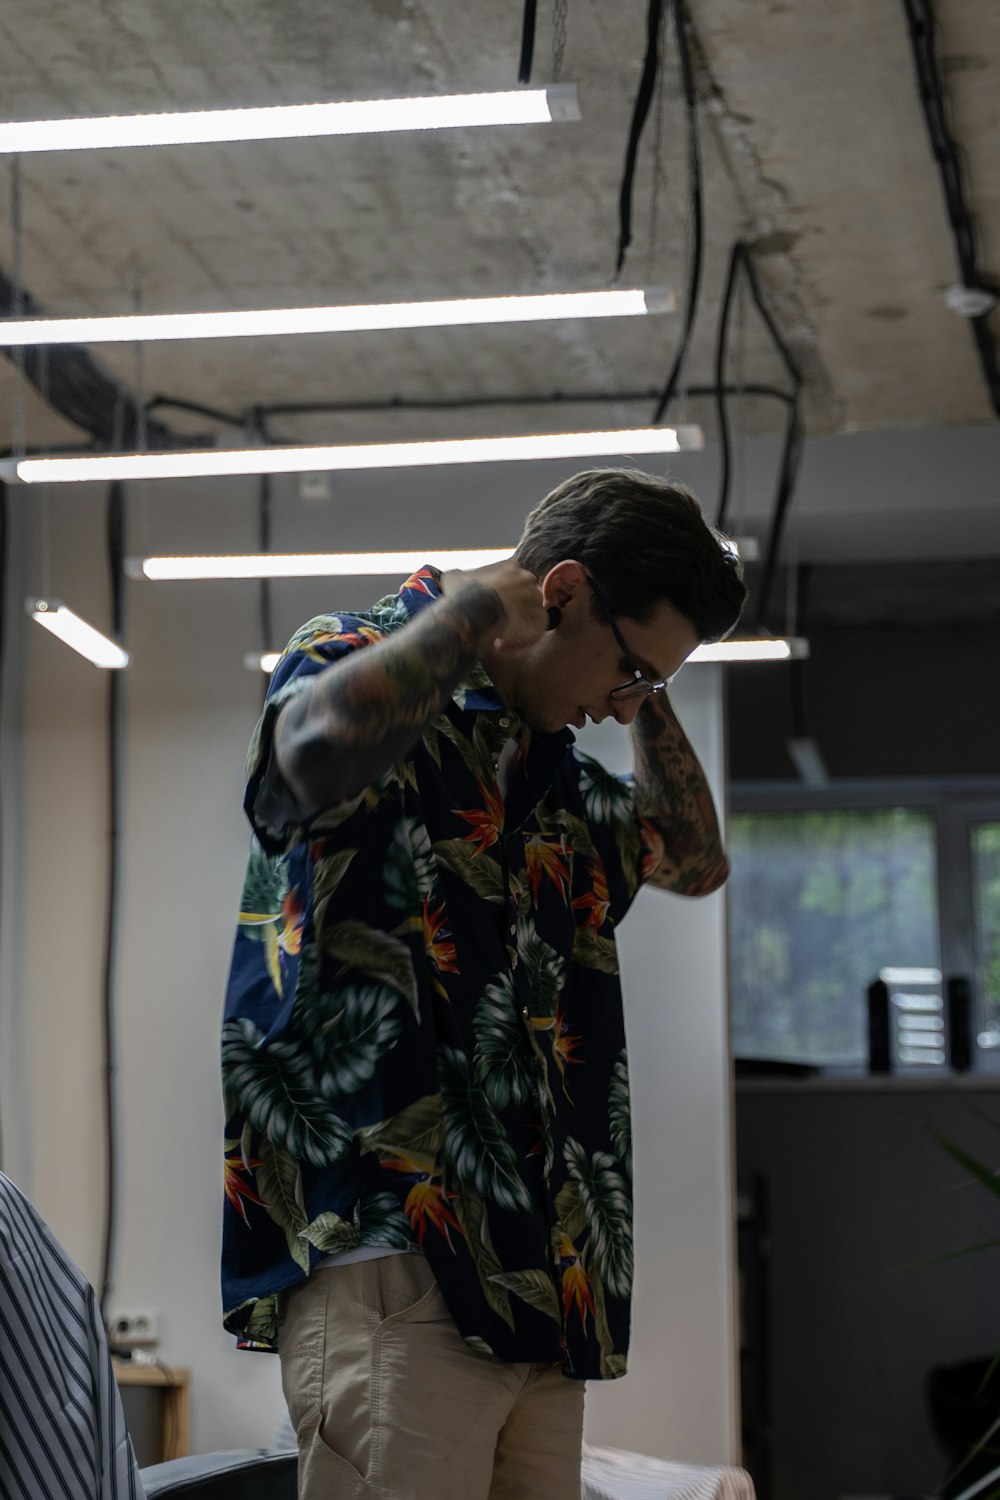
column 814, row 146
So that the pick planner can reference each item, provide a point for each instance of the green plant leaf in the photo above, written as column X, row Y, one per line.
column 432, row 743
column 534, row 1287
column 279, row 1182
column 607, row 1206
column 470, row 1211
column 373, row 953
column 264, row 889
column 606, row 797
column 408, row 870
column 994, row 1366
column 619, row 1113
column 332, row 817
column 546, row 969
column 479, row 1345
column 503, row 1063
column 262, row 1325
column 475, row 753
column 477, row 870
column 330, row 1233
column 328, row 872
column 349, row 1033
column 475, row 1143
column 418, row 1130
column 989, row 1178
column 383, row 1222
column 935, row 1260
column 276, row 1090
column 594, row 951
column 570, row 1211
column 601, row 1325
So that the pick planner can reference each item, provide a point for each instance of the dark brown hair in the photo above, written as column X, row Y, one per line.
column 644, row 539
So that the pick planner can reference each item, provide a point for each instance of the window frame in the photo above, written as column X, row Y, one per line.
column 954, row 804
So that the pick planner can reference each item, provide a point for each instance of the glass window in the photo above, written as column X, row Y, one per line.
column 819, row 902
column 985, row 842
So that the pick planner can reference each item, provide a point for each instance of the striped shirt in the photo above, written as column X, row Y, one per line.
column 62, row 1429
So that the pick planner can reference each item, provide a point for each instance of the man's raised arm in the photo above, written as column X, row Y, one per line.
column 673, row 795
column 359, row 716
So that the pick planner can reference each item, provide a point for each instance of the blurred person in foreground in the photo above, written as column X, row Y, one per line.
column 428, row 1147
column 62, row 1428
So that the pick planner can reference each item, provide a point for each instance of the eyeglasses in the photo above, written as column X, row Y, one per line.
column 639, row 685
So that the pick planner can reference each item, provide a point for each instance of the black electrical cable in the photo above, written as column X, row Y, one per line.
column 740, row 261
column 721, row 409
column 797, row 674
column 640, row 111
column 792, row 450
column 697, row 211
column 227, row 418
column 72, row 382
column 470, row 403
column 921, row 25
column 787, row 474
column 267, row 642
column 115, row 550
column 527, row 41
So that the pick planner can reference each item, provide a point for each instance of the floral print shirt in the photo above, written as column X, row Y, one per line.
column 423, row 1042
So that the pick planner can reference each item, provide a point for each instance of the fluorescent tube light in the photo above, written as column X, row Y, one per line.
column 268, row 322
column 308, row 565
column 261, row 661
column 213, row 462
column 767, row 648
column 74, row 632
column 807, row 758
column 286, row 122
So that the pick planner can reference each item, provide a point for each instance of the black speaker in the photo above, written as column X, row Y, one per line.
column 879, row 1059
column 959, row 992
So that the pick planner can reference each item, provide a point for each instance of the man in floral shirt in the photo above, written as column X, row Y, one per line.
column 424, row 1046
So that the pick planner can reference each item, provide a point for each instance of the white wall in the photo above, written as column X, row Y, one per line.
column 679, row 1399
column 190, row 707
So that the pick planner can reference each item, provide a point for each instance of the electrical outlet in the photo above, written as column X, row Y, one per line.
column 129, row 1329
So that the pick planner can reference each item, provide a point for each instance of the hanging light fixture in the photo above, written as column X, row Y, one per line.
column 214, row 462
column 752, row 648
column 558, row 102
column 73, row 631
column 307, row 564
column 455, row 312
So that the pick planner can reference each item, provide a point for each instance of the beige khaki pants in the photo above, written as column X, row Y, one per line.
column 390, row 1403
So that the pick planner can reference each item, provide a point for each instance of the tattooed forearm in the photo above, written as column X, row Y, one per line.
column 673, row 796
column 362, row 714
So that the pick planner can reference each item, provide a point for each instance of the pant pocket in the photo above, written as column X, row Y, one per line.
column 326, row 1376
column 403, row 1288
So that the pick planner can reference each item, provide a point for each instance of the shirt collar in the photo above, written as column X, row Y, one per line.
column 477, row 693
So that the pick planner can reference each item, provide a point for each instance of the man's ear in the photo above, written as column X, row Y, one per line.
column 563, row 582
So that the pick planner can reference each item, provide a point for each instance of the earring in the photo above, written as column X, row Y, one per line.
column 555, row 615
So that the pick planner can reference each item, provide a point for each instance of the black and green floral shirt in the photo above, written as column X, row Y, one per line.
column 423, row 1041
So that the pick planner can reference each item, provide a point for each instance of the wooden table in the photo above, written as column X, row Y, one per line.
column 174, row 1382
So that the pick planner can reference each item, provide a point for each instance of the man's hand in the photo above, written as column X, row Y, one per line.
column 525, row 619
column 360, row 715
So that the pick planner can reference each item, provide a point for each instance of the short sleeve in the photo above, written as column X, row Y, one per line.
column 276, row 819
